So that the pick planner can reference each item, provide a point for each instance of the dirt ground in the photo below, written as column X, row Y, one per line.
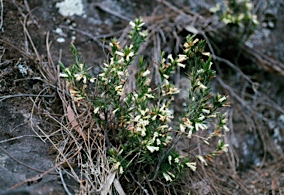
column 36, row 33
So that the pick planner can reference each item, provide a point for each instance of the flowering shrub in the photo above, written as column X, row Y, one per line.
column 236, row 12
column 140, row 128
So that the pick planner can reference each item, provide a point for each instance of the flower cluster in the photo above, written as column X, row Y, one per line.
column 77, row 76
column 237, row 12
column 141, row 126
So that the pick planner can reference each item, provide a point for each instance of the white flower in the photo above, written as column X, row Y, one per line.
column 165, row 76
column 96, row 110
column 154, row 117
column 202, row 159
column 182, row 58
column 155, row 135
column 167, row 177
column 181, row 65
column 201, row 118
column 170, row 159
column 168, row 140
column 206, row 54
column 200, row 126
column 140, row 25
column 131, row 54
column 187, row 123
column 176, row 160
column 113, row 112
column 92, row 80
column 149, row 96
column 120, row 170
column 200, row 85
column 226, row 128
column 118, row 88
column 142, row 130
column 146, row 73
column 119, row 53
column 191, row 165
column 152, row 148
column 206, row 111
column 132, row 24
column 170, row 57
column 249, row 5
column 137, row 118
column 64, row 75
column 222, row 98
column 173, row 90
column 182, row 128
column 189, row 134
column 144, row 33
column 158, row 142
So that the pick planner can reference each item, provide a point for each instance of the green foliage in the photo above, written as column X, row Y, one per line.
column 140, row 128
column 237, row 12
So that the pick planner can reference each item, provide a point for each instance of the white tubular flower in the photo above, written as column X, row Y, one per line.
column 176, row 160
column 226, row 128
column 64, row 75
column 166, row 76
column 116, row 166
column 167, row 140
column 187, row 123
column 144, row 33
column 121, row 170
column 136, row 119
column 141, row 129
column 191, row 165
column 182, row 128
column 96, row 110
column 140, row 25
column 152, row 148
column 131, row 54
column 170, row 159
column 113, row 112
column 173, row 90
column 92, row 80
column 155, row 135
column 118, row 88
column 201, row 118
column 182, row 58
column 249, row 5
column 181, row 65
column 224, row 147
column 222, row 99
column 199, row 126
column 158, row 142
column 146, row 73
column 205, row 111
column 206, row 54
column 119, row 53
column 202, row 159
column 167, row 177
column 132, row 24
column 200, row 85
column 149, row 96
column 189, row 134
column 170, row 57
column 195, row 41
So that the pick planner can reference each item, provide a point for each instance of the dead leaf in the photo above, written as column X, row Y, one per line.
column 73, row 121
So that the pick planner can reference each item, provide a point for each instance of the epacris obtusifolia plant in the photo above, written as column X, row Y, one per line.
column 140, row 127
